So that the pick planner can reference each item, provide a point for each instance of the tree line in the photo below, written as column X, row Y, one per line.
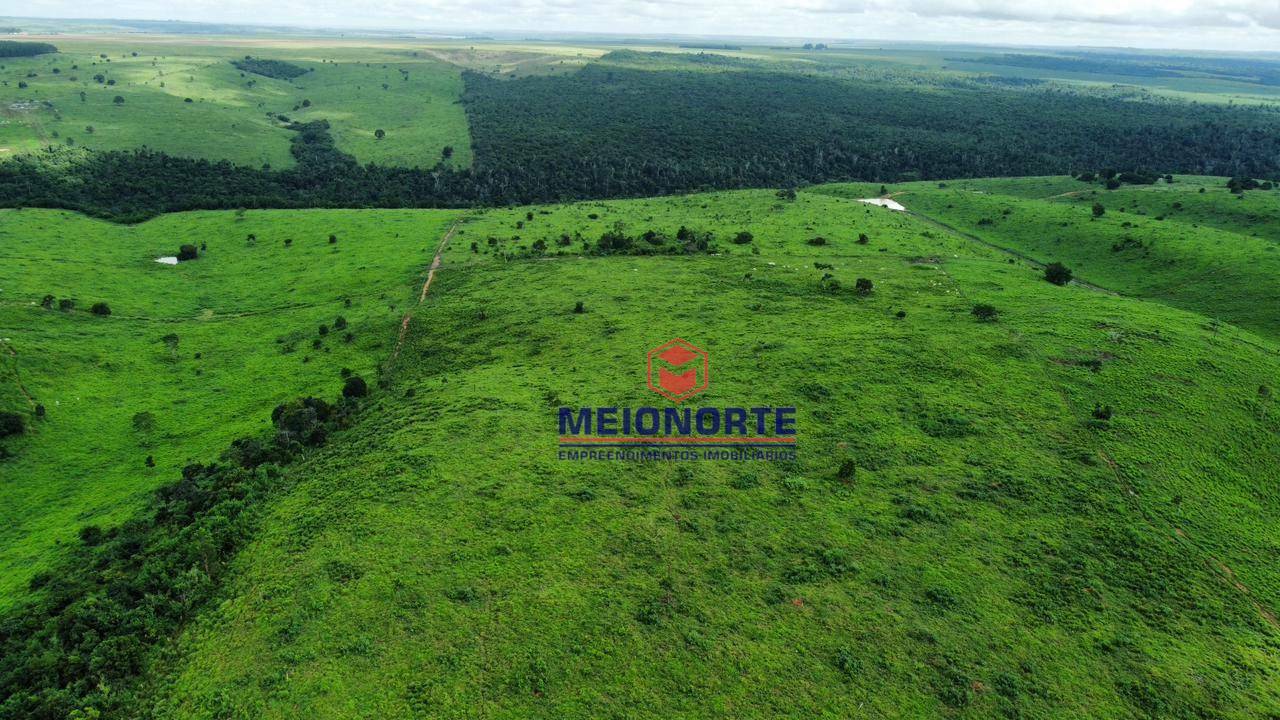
column 615, row 131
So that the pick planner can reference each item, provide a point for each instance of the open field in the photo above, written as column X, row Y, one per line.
column 1021, row 301
column 232, row 115
column 1095, row 557
column 243, row 321
column 987, row 501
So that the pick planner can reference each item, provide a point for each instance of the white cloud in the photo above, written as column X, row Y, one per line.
column 1210, row 24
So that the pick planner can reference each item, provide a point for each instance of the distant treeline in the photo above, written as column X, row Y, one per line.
column 711, row 46
column 611, row 131
column 17, row 48
column 277, row 69
column 1249, row 70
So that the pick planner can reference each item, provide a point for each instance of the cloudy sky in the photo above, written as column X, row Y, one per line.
column 1209, row 24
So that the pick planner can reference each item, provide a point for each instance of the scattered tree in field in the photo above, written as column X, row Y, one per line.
column 985, row 312
column 339, row 323
column 743, row 238
column 863, row 239
column 333, row 239
column 862, row 286
column 188, row 252
column 1099, row 210
column 355, row 387
column 579, row 308
column 66, row 304
column 816, row 241
column 1102, row 412
column 119, row 100
column 1057, row 273
column 379, row 133
column 100, row 308
column 46, row 302
column 846, row 471
column 446, row 152
column 788, row 194
column 11, row 423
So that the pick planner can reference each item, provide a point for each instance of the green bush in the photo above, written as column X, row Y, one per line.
column 985, row 312
column 11, row 423
column 1057, row 273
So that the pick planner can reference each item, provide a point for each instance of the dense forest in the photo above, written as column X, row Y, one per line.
column 277, row 69
column 15, row 48
column 1251, row 70
column 614, row 131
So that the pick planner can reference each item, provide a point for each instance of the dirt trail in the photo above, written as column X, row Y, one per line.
column 1025, row 258
column 13, row 354
column 422, row 296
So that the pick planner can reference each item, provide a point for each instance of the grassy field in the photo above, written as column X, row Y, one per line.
column 1004, row 547
column 246, row 318
column 233, row 115
column 1211, row 252
column 999, row 551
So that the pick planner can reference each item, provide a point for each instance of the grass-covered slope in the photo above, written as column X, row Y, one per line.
column 1000, row 551
column 191, row 101
column 191, row 356
column 1212, row 252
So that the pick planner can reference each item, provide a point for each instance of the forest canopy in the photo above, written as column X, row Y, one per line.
column 16, row 48
column 611, row 130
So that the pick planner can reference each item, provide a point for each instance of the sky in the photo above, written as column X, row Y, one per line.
column 1188, row 24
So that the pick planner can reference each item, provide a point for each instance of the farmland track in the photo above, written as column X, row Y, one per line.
column 426, row 286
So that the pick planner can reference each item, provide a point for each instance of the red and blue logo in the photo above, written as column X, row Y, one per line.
column 678, row 370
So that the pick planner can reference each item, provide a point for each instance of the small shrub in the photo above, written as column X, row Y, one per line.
column 11, row 423
column 863, row 286
column 846, row 471
column 863, row 239
column 47, row 302
column 66, row 304
column 91, row 535
column 816, row 241
column 1102, row 412
column 188, row 252
column 355, row 387
column 333, row 239
column 1057, row 273
column 144, row 422
column 985, row 312
column 1099, row 210
column 579, row 308
column 100, row 308
column 339, row 323
column 743, row 238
